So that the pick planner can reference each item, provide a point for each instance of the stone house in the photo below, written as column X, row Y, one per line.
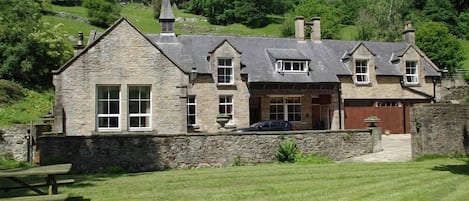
column 125, row 81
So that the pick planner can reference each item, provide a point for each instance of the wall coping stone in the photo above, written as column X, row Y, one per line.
column 132, row 134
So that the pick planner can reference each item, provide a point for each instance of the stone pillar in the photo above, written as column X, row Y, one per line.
column 376, row 139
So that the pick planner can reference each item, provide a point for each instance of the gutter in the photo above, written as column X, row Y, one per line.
column 420, row 92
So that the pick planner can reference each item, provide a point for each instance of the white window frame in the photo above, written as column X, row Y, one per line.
column 411, row 72
column 225, row 68
column 278, row 106
column 366, row 76
column 225, row 103
column 108, row 99
column 288, row 66
column 140, row 100
column 286, row 109
column 189, row 114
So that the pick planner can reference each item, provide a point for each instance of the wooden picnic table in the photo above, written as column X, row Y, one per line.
column 49, row 171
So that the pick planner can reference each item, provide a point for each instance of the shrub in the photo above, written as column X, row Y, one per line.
column 102, row 13
column 10, row 92
column 287, row 151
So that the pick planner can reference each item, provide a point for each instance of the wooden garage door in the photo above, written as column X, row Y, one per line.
column 392, row 118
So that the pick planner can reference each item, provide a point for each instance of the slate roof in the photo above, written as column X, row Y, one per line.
column 259, row 54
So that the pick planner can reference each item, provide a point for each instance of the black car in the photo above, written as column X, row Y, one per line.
column 269, row 125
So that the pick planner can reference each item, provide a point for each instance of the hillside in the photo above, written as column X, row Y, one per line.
column 142, row 17
column 73, row 20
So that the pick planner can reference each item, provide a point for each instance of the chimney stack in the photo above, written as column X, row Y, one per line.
column 315, row 25
column 408, row 35
column 300, row 28
column 79, row 46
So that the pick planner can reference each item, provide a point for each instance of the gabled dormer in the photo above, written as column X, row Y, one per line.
column 361, row 62
column 414, row 65
column 225, row 64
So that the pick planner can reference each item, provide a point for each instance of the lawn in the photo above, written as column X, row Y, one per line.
column 439, row 179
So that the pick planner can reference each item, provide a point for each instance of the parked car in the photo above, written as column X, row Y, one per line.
column 269, row 125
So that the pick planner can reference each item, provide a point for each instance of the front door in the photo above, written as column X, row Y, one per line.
column 316, row 117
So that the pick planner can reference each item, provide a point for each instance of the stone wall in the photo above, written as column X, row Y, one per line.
column 156, row 152
column 440, row 129
column 13, row 143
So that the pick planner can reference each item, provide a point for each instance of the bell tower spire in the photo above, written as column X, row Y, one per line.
column 167, row 18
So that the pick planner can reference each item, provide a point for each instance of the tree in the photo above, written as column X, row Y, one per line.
column 252, row 13
column 439, row 45
column 156, row 5
column 462, row 29
column 29, row 49
column 382, row 20
column 441, row 11
column 102, row 13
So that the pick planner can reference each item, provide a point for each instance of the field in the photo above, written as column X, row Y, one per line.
column 438, row 179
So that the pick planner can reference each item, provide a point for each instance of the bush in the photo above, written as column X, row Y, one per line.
column 287, row 151
column 10, row 92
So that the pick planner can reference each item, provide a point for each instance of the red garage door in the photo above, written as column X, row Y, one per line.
column 393, row 119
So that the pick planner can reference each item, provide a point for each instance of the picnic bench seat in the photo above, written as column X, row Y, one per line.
column 42, row 184
column 54, row 197
column 50, row 172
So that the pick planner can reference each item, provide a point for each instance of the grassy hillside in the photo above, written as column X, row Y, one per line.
column 25, row 107
column 142, row 17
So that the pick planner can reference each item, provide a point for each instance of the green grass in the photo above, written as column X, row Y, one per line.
column 142, row 17
column 8, row 164
column 439, row 179
column 28, row 109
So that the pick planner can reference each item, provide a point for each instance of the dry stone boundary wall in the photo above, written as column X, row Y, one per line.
column 136, row 153
column 440, row 129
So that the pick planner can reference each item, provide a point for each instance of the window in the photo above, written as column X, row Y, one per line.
column 108, row 111
column 289, row 66
column 139, row 107
column 361, row 71
column 411, row 72
column 276, row 108
column 226, row 106
column 225, row 71
column 191, row 111
column 388, row 104
column 167, row 27
column 294, row 108
column 285, row 108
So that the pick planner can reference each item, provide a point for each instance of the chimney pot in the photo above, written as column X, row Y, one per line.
column 300, row 28
column 315, row 25
column 409, row 33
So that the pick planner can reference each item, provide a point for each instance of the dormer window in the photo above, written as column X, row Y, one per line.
column 225, row 71
column 411, row 72
column 291, row 66
column 362, row 73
